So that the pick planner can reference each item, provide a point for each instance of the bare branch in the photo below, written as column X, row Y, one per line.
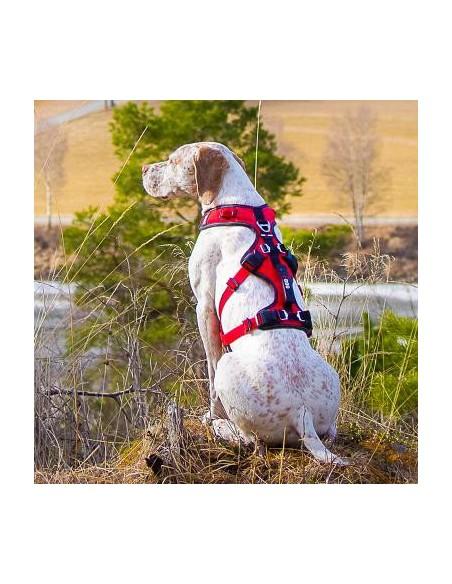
column 114, row 395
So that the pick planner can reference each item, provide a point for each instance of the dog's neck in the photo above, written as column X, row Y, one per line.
column 236, row 189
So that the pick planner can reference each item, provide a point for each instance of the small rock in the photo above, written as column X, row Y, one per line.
column 155, row 463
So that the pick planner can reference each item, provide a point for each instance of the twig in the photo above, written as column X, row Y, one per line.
column 257, row 142
column 114, row 395
column 131, row 152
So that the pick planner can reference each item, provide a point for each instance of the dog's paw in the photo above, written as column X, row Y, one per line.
column 228, row 432
column 206, row 419
column 338, row 461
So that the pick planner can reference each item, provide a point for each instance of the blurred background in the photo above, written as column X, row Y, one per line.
column 301, row 129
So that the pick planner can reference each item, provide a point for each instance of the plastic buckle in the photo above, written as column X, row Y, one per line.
column 299, row 313
column 232, row 283
column 281, row 248
column 228, row 213
column 265, row 248
column 247, row 325
column 267, row 318
column 285, row 315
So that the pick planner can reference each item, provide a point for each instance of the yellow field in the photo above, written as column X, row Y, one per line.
column 301, row 128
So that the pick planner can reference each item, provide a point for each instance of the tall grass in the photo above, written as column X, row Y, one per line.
column 107, row 395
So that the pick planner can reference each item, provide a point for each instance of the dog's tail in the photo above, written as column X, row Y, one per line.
column 311, row 440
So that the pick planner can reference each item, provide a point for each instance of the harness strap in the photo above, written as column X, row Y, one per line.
column 266, row 258
column 268, row 319
column 231, row 286
column 248, row 325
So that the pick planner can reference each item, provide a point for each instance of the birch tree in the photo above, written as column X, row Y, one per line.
column 50, row 150
column 351, row 164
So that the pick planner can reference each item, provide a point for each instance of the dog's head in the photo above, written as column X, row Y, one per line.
column 194, row 170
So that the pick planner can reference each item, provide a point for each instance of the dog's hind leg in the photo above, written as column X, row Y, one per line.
column 311, row 440
column 331, row 433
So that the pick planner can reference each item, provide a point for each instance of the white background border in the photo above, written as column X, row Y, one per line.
column 200, row 49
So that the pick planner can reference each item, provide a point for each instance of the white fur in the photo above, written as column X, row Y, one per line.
column 273, row 386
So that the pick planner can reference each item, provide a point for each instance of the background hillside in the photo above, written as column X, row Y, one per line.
column 301, row 129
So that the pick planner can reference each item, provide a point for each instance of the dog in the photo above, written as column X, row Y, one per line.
column 271, row 387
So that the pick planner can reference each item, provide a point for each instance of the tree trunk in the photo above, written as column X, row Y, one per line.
column 360, row 223
column 359, row 228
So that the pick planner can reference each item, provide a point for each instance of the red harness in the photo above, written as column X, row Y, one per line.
column 268, row 259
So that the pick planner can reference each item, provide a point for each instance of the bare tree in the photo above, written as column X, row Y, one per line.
column 351, row 163
column 50, row 149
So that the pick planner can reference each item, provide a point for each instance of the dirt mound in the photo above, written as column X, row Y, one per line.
column 375, row 457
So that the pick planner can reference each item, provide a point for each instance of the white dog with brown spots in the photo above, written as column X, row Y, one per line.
column 272, row 386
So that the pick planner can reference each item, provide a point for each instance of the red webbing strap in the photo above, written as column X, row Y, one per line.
column 248, row 325
column 231, row 286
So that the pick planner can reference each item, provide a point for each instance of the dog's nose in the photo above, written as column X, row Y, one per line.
column 144, row 168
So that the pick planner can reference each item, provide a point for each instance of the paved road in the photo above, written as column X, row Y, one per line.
column 317, row 220
column 292, row 220
column 78, row 112
column 56, row 220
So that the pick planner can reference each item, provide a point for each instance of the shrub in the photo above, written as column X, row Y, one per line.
column 386, row 355
column 150, row 136
column 321, row 243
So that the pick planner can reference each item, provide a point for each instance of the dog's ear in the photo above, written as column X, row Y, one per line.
column 210, row 166
column 240, row 161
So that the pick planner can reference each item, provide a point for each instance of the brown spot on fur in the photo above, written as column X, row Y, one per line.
column 210, row 165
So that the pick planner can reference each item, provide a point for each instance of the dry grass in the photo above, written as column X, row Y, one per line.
column 301, row 128
column 82, row 439
column 375, row 457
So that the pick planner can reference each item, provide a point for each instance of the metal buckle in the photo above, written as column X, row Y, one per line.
column 265, row 248
column 265, row 227
column 299, row 316
column 286, row 315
